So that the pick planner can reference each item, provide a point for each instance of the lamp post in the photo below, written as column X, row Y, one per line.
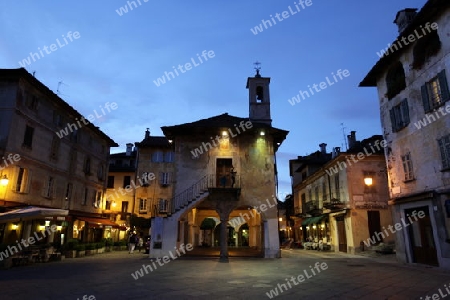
column 4, row 183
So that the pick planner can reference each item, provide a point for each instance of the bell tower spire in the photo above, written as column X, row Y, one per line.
column 259, row 97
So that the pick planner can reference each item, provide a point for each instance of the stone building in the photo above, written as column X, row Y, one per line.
column 121, row 189
column 59, row 161
column 155, row 175
column 340, row 199
column 412, row 83
column 224, row 169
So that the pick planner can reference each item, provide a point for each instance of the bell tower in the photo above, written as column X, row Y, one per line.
column 259, row 97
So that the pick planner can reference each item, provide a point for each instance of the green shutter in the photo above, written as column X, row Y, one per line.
column 425, row 98
column 393, row 122
column 405, row 112
column 444, row 86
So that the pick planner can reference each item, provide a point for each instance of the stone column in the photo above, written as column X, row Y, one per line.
column 223, row 238
column 224, row 208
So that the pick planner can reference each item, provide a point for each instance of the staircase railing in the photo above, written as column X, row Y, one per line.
column 193, row 192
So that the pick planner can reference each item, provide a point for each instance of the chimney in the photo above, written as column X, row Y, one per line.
column 147, row 133
column 351, row 139
column 129, row 149
column 323, row 148
column 404, row 18
column 336, row 152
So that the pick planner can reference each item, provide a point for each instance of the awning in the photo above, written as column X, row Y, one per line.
column 30, row 213
column 314, row 220
column 99, row 222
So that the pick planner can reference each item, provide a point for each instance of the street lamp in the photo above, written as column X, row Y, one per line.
column 368, row 178
column 4, row 181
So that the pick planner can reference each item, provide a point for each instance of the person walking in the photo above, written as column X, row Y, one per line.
column 132, row 242
column 140, row 243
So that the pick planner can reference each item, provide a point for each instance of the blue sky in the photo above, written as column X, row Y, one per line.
column 117, row 58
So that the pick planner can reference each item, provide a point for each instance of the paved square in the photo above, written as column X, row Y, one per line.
column 108, row 276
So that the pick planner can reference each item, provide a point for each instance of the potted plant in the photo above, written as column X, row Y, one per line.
column 81, row 250
column 90, row 249
column 100, row 247
column 69, row 248
column 5, row 263
column 109, row 244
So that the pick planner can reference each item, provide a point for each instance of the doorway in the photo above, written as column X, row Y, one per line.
column 421, row 238
column 373, row 219
column 223, row 168
column 342, row 236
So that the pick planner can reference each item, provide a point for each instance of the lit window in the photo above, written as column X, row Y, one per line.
column 408, row 167
column 435, row 92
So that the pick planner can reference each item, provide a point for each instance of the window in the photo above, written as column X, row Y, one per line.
column 110, row 182
column 444, row 146
column 426, row 47
column 143, row 205
column 31, row 102
column 98, row 201
column 49, row 188
column 22, row 183
column 157, row 156
column 28, row 137
column 408, row 167
column 162, row 205
column 164, row 178
column 399, row 116
column 124, row 206
column 395, row 80
column 145, row 180
column 309, row 194
column 86, row 194
column 316, row 193
column 100, row 172
column 72, row 161
column 68, row 194
column 126, row 181
column 54, row 150
column 168, row 156
column 94, row 198
column 324, row 191
column 108, row 205
column 57, row 119
column 87, row 166
column 336, row 186
column 435, row 92
column 74, row 136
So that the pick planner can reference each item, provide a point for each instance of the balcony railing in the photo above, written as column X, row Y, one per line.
column 333, row 204
column 192, row 193
column 312, row 206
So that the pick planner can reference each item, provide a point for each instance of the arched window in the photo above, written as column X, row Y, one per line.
column 395, row 80
column 425, row 48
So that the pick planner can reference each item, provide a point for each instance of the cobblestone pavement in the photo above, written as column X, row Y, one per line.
column 108, row 276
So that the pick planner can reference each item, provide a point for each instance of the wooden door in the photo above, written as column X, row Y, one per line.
column 421, row 238
column 342, row 237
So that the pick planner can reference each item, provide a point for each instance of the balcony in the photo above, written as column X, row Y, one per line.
column 298, row 211
column 224, row 187
column 334, row 204
column 312, row 207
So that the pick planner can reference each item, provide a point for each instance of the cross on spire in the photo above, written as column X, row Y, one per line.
column 257, row 68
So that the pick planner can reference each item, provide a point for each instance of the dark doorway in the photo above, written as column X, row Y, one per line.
column 373, row 220
column 342, row 236
column 421, row 237
column 223, row 169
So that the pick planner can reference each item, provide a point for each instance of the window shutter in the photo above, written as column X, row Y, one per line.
column 425, row 98
column 405, row 112
column 442, row 148
column 444, row 86
column 393, row 122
